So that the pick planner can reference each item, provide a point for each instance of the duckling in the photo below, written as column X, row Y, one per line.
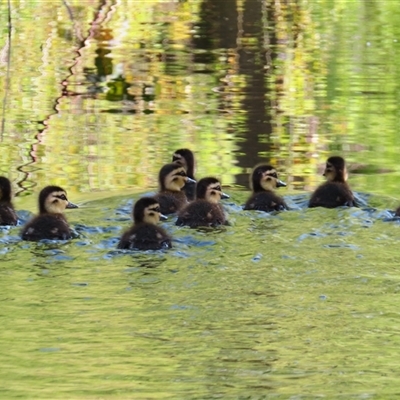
column 145, row 234
column 185, row 158
column 7, row 212
column 205, row 210
column 172, row 179
column 335, row 192
column 50, row 223
column 264, row 180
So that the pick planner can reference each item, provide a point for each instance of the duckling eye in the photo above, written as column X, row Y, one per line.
column 274, row 175
column 157, row 209
column 62, row 197
column 218, row 188
column 181, row 173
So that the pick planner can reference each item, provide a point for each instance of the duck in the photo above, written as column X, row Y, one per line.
column 172, row 178
column 335, row 192
column 51, row 222
column 185, row 158
column 8, row 215
column 144, row 234
column 263, row 181
column 206, row 209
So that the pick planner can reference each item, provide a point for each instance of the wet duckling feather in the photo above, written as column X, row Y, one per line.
column 172, row 178
column 8, row 215
column 185, row 158
column 145, row 234
column 264, row 180
column 51, row 222
column 335, row 192
column 205, row 210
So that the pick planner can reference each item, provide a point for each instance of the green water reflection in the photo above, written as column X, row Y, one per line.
column 96, row 96
column 299, row 304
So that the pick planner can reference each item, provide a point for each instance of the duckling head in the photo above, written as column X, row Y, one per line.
column 5, row 189
column 264, row 177
column 53, row 200
column 335, row 169
column 185, row 158
column 210, row 190
column 173, row 177
column 147, row 210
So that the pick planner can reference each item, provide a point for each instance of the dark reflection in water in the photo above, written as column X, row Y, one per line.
column 255, row 62
column 245, row 81
column 239, row 35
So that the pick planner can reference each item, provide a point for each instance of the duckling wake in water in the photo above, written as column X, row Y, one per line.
column 145, row 234
column 172, row 178
column 335, row 192
column 7, row 211
column 264, row 180
column 185, row 158
column 51, row 222
column 205, row 210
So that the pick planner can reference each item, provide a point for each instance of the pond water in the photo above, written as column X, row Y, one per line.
column 97, row 95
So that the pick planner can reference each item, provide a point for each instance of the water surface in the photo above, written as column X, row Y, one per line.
column 96, row 96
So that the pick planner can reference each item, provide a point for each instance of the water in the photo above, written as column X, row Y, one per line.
column 295, row 304
column 96, row 96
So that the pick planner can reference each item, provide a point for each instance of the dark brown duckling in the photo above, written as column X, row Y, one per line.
column 185, row 158
column 172, row 179
column 335, row 192
column 51, row 222
column 7, row 211
column 264, row 180
column 145, row 234
column 205, row 210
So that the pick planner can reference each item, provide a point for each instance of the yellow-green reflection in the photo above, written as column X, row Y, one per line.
column 99, row 96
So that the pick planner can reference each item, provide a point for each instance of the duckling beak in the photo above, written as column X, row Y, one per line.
column 280, row 183
column 163, row 217
column 71, row 205
column 190, row 180
column 224, row 196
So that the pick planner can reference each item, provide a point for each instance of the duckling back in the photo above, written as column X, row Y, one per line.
column 47, row 226
column 145, row 237
column 7, row 211
column 201, row 213
column 171, row 201
column 266, row 201
column 332, row 195
column 8, row 215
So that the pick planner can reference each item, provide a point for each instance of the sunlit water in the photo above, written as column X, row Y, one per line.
column 96, row 96
column 302, row 303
